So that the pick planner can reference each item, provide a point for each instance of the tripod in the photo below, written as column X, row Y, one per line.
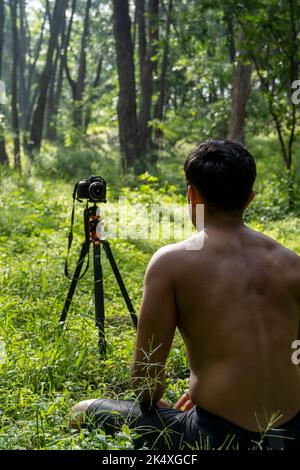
column 92, row 220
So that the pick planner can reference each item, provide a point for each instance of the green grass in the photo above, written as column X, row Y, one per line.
column 44, row 372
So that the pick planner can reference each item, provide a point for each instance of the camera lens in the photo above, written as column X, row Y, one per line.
column 96, row 190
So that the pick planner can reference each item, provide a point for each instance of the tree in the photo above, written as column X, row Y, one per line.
column 142, row 42
column 3, row 154
column 14, row 85
column 230, row 32
column 94, row 93
column 240, row 93
column 22, row 62
column 78, row 85
column 55, row 86
column 161, row 100
column 277, row 66
column 127, row 117
column 39, row 112
column 148, row 60
column 32, row 88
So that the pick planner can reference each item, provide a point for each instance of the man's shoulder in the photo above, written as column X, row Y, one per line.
column 174, row 250
column 169, row 258
column 167, row 252
column 277, row 250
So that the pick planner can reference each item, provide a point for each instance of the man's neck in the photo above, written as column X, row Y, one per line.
column 223, row 220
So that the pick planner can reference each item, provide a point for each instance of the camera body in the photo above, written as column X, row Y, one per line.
column 92, row 188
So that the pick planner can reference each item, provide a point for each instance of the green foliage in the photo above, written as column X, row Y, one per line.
column 44, row 372
column 77, row 161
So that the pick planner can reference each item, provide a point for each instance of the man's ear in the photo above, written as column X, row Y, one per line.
column 190, row 194
column 193, row 195
column 250, row 199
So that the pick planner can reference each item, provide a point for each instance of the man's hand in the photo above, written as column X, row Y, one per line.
column 163, row 404
column 184, row 403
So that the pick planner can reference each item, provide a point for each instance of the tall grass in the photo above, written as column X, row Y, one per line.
column 44, row 373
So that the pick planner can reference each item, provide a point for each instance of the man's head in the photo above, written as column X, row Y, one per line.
column 222, row 172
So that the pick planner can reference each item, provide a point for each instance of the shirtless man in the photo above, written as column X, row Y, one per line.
column 236, row 303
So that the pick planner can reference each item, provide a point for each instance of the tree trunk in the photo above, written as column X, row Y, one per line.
column 78, row 85
column 23, row 49
column 55, row 88
column 147, row 78
column 50, row 134
column 14, row 85
column 240, row 93
column 127, row 99
column 94, row 94
column 142, row 42
column 160, row 104
column 230, row 32
column 39, row 112
column 31, row 72
column 66, row 46
column 3, row 154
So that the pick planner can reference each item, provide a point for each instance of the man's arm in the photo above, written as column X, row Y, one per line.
column 156, row 328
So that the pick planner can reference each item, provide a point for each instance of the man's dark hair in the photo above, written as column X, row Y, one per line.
column 223, row 172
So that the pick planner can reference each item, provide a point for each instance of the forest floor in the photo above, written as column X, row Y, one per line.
column 44, row 373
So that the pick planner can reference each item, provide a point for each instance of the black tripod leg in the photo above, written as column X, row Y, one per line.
column 99, row 297
column 83, row 253
column 119, row 279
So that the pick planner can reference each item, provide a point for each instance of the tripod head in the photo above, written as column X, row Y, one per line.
column 93, row 189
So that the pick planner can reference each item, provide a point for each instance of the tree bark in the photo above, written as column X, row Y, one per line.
column 94, row 94
column 142, row 41
column 31, row 72
column 127, row 118
column 50, row 133
column 39, row 112
column 23, row 51
column 230, row 32
column 78, row 85
column 3, row 153
column 240, row 93
column 160, row 104
column 14, row 85
column 55, row 88
column 147, row 78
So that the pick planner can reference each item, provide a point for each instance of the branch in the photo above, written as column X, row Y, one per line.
column 270, row 96
column 98, row 73
column 65, row 55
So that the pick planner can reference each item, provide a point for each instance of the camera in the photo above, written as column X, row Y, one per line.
column 92, row 188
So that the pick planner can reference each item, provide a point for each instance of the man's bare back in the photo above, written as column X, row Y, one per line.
column 238, row 304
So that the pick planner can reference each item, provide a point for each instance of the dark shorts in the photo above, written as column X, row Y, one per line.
column 166, row 428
